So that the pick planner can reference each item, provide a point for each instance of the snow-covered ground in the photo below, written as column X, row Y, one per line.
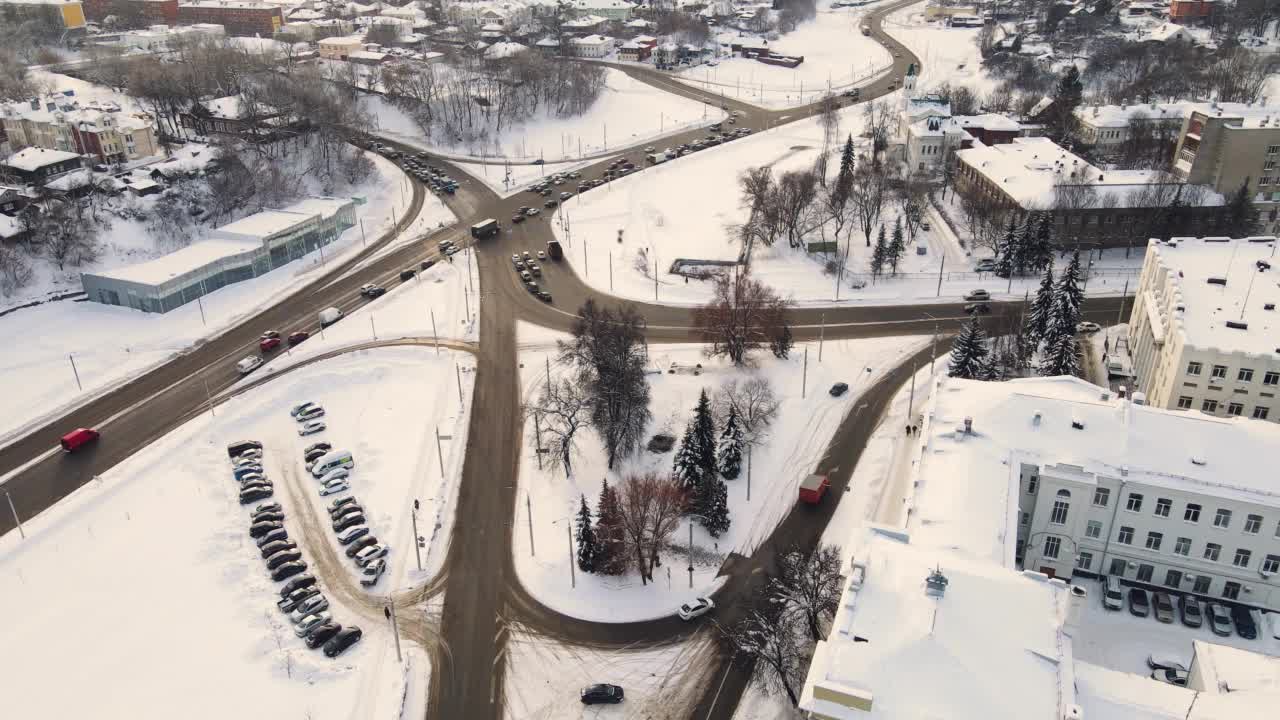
column 184, row 623
column 947, row 54
column 109, row 344
column 627, row 112
column 836, row 56
column 796, row 443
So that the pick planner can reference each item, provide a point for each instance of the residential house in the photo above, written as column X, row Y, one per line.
column 615, row 10
column 36, row 166
column 591, row 46
column 340, row 48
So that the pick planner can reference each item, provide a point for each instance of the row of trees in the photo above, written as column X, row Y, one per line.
column 702, row 461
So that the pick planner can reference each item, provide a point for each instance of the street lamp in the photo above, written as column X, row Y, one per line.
column 573, row 578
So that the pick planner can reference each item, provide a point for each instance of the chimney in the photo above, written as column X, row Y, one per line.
column 968, row 425
column 1122, row 391
column 936, row 584
column 1077, row 596
column 1035, row 419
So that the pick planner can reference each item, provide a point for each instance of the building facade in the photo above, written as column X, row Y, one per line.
column 1228, row 145
column 1190, row 10
column 1107, row 127
column 141, row 12
column 591, row 46
column 69, row 14
column 36, row 166
column 239, row 17
column 101, row 131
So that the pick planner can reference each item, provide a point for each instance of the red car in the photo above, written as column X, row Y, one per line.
column 295, row 338
column 78, row 438
column 267, row 344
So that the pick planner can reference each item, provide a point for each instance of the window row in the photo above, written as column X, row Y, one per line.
column 1172, row 578
column 1182, row 547
column 1242, row 375
column 1235, row 409
column 1164, row 507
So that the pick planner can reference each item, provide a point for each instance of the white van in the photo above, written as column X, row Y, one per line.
column 249, row 364
column 332, row 461
column 1112, row 595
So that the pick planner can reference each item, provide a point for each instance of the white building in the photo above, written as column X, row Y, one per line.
column 1204, row 332
column 1107, row 126
column 592, row 46
column 609, row 9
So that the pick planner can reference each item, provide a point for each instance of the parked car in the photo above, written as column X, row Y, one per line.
column 236, row 449
column 311, row 622
column 339, row 473
column 288, row 570
column 978, row 295
column 1164, row 662
column 1219, row 619
column 311, row 456
column 312, row 605
column 334, row 487
column 1163, row 607
column 348, row 521
column 1112, row 595
column 301, row 408
column 696, row 608
column 371, row 553
column 350, row 535
column 272, row 548
column 257, row 530
column 280, row 558
column 544, row 296
column 542, row 255
column 268, row 507
column 274, row 517
column 297, row 583
column 311, row 428
column 320, row 634
column 311, row 413
column 256, row 484
column 1087, row 327
column 1245, row 625
column 1189, row 609
column 299, row 336
column 1138, row 603
column 358, row 545
column 296, row 597
column 1171, row 676
column 407, row 275
column 839, row 389
column 340, row 502
column 254, row 495
column 371, row 572
column 532, row 212
column 342, row 640
column 245, row 473
column 602, row 693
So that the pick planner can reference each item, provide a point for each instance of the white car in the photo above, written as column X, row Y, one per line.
column 311, row 428
column 372, row 571
column 1088, row 327
column 371, row 553
column 696, row 608
column 335, row 474
column 311, row 621
column 311, row 413
column 335, row 487
column 299, row 409
column 310, row 606
column 542, row 255
column 249, row 364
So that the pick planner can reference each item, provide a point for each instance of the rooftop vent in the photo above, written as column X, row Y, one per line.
column 1234, row 325
column 936, row 584
column 1269, row 306
column 1263, row 266
column 1035, row 419
column 968, row 425
column 1218, row 281
column 1122, row 391
column 1139, row 398
column 1077, row 423
column 1105, row 396
column 1197, row 460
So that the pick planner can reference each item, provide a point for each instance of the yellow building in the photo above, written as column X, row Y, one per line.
column 70, row 13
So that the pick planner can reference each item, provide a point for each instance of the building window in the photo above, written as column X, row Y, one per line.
column 1273, row 149
column 1153, row 541
column 1194, row 368
column 1235, row 409
column 1260, row 412
column 1126, row 536
column 1031, row 485
column 1265, row 180
column 1212, row 551
column 1051, row 547
column 1210, row 406
column 1163, row 506
column 1192, row 514
column 1231, row 590
column 1252, row 524
column 1245, row 375
column 1173, row 578
column 1202, row 585
column 1059, row 514
column 1182, row 546
column 1118, row 567
column 1271, row 564
column 1184, row 402
column 1101, row 496
column 1222, row 518
column 1242, row 558
column 1084, row 561
column 1094, row 529
column 1219, row 372
column 1271, row 378
column 1145, row 572
column 1135, row 503
column 1269, row 165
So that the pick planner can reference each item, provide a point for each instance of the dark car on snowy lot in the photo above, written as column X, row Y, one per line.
column 602, row 693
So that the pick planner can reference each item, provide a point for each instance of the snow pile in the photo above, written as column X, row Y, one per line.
column 947, row 54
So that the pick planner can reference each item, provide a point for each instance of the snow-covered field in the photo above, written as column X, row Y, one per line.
column 183, row 622
column 796, row 443
column 947, row 55
column 836, row 56
column 111, row 343
column 627, row 112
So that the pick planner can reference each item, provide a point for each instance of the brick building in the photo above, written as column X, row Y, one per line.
column 142, row 12
column 1181, row 11
column 246, row 19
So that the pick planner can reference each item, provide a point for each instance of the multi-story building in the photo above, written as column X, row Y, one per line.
column 617, row 10
column 69, row 14
column 591, row 46
column 1106, row 127
column 1225, row 145
column 239, row 17
column 113, row 137
column 1204, row 333
column 1191, row 10
column 36, row 166
column 143, row 12
column 340, row 48
column 101, row 131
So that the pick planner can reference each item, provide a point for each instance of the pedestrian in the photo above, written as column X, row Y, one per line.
column 915, row 430
column 908, row 429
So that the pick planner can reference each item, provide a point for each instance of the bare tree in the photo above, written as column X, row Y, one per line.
column 1240, row 76
column 770, row 636
column 754, row 403
column 651, row 507
column 744, row 315
column 15, row 270
column 793, row 198
column 808, row 586
column 64, row 235
column 868, row 195
column 563, row 408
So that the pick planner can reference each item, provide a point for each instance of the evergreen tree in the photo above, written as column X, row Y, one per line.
column 729, row 453
column 1061, row 358
column 587, row 548
column 611, row 551
column 1067, row 96
column 1039, row 313
column 879, row 255
column 969, row 352
column 1238, row 216
column 714, row 507
column 897, row 247
column 704, row 432
column 1067, row 300
column 781, row 343
column 1008, row 254
column 844, row 179
column 1039, row 252
column 686, row 471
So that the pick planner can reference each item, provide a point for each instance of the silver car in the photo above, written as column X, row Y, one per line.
column 310, row 606
column 371, row 553
column 310, row 622
column 312, row 427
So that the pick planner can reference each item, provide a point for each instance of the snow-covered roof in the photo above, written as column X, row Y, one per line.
column 548, row 42
column 180, row 262
column 1116, row 116
column 630, row 45
column 227, row 108
column 366, row 55
column 643, row 39
column 638, row 23
column 590, row 40
column 262, row 224
column 1106, row 694
column 1207, row 307
column 342, row 41
column 1165, row 32
column 504, row 50
column 10, row 227
column 602, row 5
column 585, row 21
column 33, row 158
column 1222, row 666
column 988, row 121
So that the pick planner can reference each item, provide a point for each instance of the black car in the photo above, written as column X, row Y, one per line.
column 340, row 502
column 427, row 264
column 343, row 509
column 1138, row 603
column 297, row 583
column 602, row 693
column 977, row 309
column 272, row 536
column 256, row 484
column 274, row 547
column 360, row 543
column 267, row 517
column 257, row 530
column 288, row 570
column 347, row 521
column 268, row 507
column 313, row 455
column 551, row 203
column 839, row 389
column 407, row 275
column 1189, row 609
column 253, row 495
column 1243, row 619
column 320, row 634
column 544, row 296
column 342, row 640
column 282, row 557
column 292, row 600
column 236, row 448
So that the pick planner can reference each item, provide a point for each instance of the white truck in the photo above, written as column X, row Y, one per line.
column 329, row 316
column 657, row 157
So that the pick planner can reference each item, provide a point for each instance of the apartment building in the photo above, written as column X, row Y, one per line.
column 1204, row 332
column 591, row 46
column 1223, row 145
column 1191, row 10
column 98, row 130
column 67, row 13
column 240, row 17
column 142, row 12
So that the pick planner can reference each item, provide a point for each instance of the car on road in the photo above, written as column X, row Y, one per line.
column 348, row 521
column 1189, row 609
column 543, row 295
column 311, row 622
column 532, row 211
column 601, row 693
column 312, row 605
column 371, row 290
column 985, row 265
column 650, row 149
column 288, row 570
column 977, row 309
column 371, row 553
column 334, row 487
column 371, row 572
column 282, row 557
column 1156, row 661
column 297, row 596
column 517, row 218
column 1245, row 625
column 407, row 275
column 257, row 530
column 267, row 344
column 1087, row 327
column 428, row 264
column 1219, row 619
column 360, row 544
column 254, row 495
column 297, row 583
column 565, row 196
column 696, row 608
column 1138, row 603
column 978, row 295
column 551, row 203
column 342, row 640
column 839, row 389
column 299, row 336
column 542, row 255
column 272, row 548
column 272, row 536
column 311, row 413
column 320, row 634
column 1163, row 607
column 350, row 535
column 248, row 364
column 1171, row 676
column 311, row 428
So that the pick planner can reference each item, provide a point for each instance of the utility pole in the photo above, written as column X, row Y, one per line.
column 911, row 403
column 940, row 267
column 586, row 274
column 548, row 359
column 573, row 577
column 466, row 300
column 1125, row 294
column 822, row 334
column 933, row 354
column 470, row 280
column 804, row 376
column 528, row 503
column 690, row 553
column 610, row 268
column 433, row 330
column 417, row 547
column 390, row 612
column 537, row 437
column 200, row 304
column 457, row 371
column 16, row 520
column 749, row 446
column 439, row 451
column 363, row 241
column 374, row 329
column 77, row 372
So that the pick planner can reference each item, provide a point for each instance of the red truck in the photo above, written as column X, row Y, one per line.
column 813, row 488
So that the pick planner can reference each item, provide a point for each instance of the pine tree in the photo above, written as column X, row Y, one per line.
column 1238, row 216
column 1008, row 253
column 686, row 471
column 1039, row 313
column 1062, row 357
column 611, row 552
column 729, row 453
column 704, row 434
column 879, row 256
column 781, row 343
column 897, row 247
column 1040, row 251
column 1068, row 299
column 844, row 179
column 714, row 507
column 587, row 548
column 969, row 352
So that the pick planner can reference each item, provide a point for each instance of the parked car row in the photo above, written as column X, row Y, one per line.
column 528, row 270
column 1165, row 606
column 246, row 468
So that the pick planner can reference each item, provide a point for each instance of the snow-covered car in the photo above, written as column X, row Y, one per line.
column 371, row 572
column 335, row 474
column 311, row 413
column 311, row 621
column 310, row 606
column 371, row 553
column 337, row 486
column 350, row 535
column 1087, row 327
column 248, row 364
column 1157, row 661
column 1171, row 676
column 301, row 408
column 695, row 608
column 1219, row 620
column 311, row 428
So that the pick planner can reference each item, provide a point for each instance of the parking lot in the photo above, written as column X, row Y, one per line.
column 1118, row 640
